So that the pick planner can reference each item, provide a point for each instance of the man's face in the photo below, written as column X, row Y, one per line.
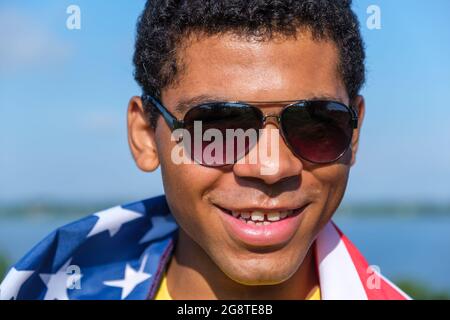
column 241, row 70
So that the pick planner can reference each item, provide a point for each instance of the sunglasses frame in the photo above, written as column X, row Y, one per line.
column 175, row 123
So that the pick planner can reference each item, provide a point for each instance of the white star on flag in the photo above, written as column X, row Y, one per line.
column 12, row 283
column 131, row 279
column 58, row 283
column 112, row 220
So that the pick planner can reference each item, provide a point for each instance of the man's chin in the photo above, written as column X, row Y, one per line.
column 263, row 273
column 260, row 278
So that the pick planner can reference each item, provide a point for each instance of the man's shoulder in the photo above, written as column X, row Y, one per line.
column 96, row 248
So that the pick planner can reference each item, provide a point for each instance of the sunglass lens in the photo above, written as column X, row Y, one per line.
column 318, row 131
column 221, row 133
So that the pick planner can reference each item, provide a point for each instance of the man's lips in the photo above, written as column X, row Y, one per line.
column 262, row 228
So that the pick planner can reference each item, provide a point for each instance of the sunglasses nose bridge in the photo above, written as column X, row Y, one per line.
column 275, row 117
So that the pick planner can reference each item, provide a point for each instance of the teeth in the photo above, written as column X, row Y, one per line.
column 260, row 218
column 245, row 215
column 257, row 216
column 273, row 216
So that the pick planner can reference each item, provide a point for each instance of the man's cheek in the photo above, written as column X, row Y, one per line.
column 196, row 223
column 331, row 177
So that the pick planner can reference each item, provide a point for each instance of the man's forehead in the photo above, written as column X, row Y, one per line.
column 225, row 71
column 220, row 51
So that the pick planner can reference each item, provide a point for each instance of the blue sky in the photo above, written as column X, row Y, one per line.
column 64, row 93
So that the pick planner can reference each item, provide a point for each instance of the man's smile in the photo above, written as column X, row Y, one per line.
column 260, row 227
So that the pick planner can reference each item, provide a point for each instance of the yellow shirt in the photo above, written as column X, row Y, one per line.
column 163, row 292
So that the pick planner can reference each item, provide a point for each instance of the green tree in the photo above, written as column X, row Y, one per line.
column 419, row 291
column 4, row 265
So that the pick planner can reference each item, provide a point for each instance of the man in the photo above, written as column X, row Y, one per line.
column 228, row 227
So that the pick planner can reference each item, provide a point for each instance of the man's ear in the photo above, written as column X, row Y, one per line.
column 141, row 137
column 360, row 108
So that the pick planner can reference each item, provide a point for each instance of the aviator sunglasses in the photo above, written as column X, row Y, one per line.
column 318, row 131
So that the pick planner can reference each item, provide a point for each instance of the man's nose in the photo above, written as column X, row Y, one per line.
column 270, row 160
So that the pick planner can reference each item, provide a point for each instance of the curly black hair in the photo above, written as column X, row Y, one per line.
column 165, row 23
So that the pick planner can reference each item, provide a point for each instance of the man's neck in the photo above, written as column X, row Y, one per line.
column 193, row 275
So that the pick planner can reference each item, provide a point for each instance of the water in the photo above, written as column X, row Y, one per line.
column 404, row 248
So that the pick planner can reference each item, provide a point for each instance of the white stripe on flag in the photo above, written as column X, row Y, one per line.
column 339, row 279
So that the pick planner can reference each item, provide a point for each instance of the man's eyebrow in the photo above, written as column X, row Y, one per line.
column 186, row 103
column 326, row 97
column 320, row 97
